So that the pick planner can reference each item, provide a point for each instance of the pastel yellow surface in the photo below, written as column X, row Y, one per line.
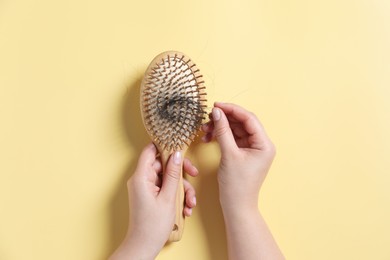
column 317, row 73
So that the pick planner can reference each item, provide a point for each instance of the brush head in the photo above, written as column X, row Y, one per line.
column 173, row 101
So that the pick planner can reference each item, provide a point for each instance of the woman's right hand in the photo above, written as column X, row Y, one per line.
column 246, row 155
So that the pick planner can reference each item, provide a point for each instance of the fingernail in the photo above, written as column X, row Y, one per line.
column 190, row 212
column 216, row 114
column 194, row 201
column 177, row 158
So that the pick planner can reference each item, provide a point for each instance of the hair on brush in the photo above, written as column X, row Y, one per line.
column 173, row 100
column 173, row 106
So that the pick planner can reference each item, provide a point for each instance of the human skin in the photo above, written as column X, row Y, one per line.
column 152, row 204
column 246, row 156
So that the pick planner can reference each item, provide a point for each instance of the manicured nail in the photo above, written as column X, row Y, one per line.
column 216, row 114
column 177, row 158
column 194, row 201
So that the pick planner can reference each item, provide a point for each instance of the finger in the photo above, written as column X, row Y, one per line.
column 147, row 158
column 189, row 192
column 207, row 138
column 250, row 123
column 238, row 130
column 208, row 127
column 172, row 176
column 158, row 180
column 222, row 131
column 189, row 168
column 187, row 212
column 242, row 142
column 238, row 114
column 157, row 166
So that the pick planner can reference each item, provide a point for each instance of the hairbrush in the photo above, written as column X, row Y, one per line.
column 173, row 103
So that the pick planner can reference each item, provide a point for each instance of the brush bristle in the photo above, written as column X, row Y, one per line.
column 173, row 101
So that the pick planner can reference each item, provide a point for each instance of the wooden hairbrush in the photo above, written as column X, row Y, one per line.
column 173, row 103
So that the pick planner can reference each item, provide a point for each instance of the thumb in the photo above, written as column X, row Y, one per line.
column 222, row 131
column 172, row 176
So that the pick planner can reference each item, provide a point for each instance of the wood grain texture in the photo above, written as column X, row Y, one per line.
column 173, row 103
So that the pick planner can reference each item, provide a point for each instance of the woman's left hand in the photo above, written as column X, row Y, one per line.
column 152, row 198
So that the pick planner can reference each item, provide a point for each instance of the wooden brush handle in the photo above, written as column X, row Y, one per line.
column 178, row 226
column 173, row 104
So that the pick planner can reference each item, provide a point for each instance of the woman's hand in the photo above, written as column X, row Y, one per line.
column 152, row 204
column 246, row 155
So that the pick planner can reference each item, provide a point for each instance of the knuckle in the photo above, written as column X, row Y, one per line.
column 221, row 131
column 252, row 116
column 271, row 149
column 173, row 173
column 191, row 191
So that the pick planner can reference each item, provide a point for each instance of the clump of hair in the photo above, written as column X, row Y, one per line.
column 173, row 100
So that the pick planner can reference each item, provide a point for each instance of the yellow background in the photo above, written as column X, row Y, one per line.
column 317, row 73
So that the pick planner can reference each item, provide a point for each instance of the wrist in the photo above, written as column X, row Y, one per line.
column 234, row 216
column 232, row 203
column 244, row 209
column 136, row 248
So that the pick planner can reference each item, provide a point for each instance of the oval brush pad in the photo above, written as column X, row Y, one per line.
column 173, row 103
